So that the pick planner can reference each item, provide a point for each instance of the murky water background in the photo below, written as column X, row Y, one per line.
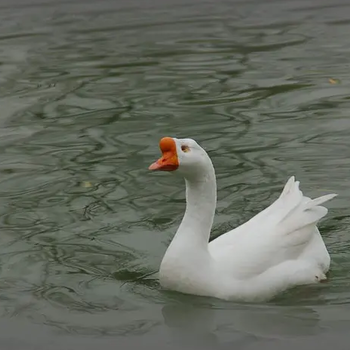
column 88, row 88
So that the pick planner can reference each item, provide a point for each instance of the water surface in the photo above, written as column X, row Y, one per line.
column 87, row 90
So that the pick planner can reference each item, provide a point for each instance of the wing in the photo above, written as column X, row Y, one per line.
column 278, row 233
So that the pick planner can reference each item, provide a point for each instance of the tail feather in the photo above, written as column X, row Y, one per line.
column 288, row 186
column 322, row 199
column 300, row 211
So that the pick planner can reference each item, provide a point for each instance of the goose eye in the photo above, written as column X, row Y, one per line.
column 185, row 148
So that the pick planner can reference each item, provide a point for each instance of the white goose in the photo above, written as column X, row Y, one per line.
column 277, row 249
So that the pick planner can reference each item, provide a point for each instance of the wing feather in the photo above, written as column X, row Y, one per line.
column 278, row 233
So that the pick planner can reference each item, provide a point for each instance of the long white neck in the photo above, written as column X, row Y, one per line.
column 196, row 224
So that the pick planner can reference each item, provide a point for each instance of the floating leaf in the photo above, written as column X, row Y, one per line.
column 87, row 184
column 333, row 81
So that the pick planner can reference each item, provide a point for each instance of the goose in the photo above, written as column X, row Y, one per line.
column 277, row 249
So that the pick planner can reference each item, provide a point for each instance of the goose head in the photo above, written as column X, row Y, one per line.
column 184, row 156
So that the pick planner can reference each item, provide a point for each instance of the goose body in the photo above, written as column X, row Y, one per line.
column 279, row 248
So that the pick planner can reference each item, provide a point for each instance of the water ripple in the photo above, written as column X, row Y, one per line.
column 86, row 97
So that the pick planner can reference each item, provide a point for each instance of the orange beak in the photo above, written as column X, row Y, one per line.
column 169, row 160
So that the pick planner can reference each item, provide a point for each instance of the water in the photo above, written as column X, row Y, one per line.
column 88, row 89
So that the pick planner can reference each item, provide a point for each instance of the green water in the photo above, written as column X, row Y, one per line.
column 87, row 90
